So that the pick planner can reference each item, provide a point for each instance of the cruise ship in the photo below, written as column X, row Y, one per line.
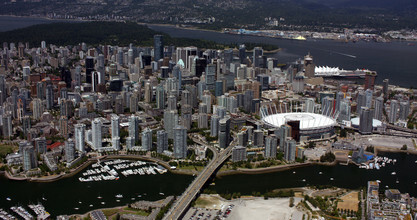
column 325, row 71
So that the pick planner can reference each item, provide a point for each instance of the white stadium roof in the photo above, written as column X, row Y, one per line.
column 308, row 121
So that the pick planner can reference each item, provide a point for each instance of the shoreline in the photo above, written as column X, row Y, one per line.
column 242, row 171
column 193, row 28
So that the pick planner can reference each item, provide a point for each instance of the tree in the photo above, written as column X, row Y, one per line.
column 291, row 201
column 404, row 147
column 343, row 133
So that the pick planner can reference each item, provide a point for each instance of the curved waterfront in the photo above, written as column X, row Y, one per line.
column 391, row 60
column 64, row 195
column 350, row 177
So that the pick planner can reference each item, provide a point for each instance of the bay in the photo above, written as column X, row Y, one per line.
column 391, row 60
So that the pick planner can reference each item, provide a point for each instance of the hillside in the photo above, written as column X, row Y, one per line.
column 215, row 14
column 111, row 33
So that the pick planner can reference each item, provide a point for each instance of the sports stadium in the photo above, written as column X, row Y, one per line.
column 311, row 126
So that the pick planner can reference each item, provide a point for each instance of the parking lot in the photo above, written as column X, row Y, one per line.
column 208, row 214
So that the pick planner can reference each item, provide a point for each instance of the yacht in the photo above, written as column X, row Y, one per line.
column 393, row 173
column 119, row 196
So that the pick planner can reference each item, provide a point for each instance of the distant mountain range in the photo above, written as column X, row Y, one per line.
column 215, row 14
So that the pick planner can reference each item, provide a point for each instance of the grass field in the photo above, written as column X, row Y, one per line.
column 349, row 201
column 6, row 149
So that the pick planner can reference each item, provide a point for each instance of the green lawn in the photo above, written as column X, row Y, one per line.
column 6, row 149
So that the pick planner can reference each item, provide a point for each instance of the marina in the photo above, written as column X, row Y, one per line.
column 5, row 215
column 109, row 171
column 378, row 163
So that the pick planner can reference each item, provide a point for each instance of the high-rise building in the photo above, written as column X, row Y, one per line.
column 290, row 149
column 385, row 85
column 404, row 110
column 310, row 104
column 96, row 133
column 37, row 108
column 134, row 128
column 224, row 132
column 130, row 143
column 344, row 110
column 258, row 138
column 49, row 97
column 210, row 77
column 40, row 145
column 89, row 68
column 284, row 132
column 116, row 143
column 379, row 108
column 158, row 47
column 361, row 101
column 170, row 122
column 370, row 80
column 257, row 51
column 368, row 98
column 365, row 121
column 242, row 138
column 392, row 117
column 160, row 97
column 69, row 150
column 63, row 126
column 79, row 134
column 238, row 153
column 29, row 157
column 214, row 125
column 161, row 141
column 115, row 126
column 180, row 142
column 147, row 139
column 242, row 53
column 309, row 66
column 271, row 143
column 7, row 126
column 202, row 120
column 148, row 93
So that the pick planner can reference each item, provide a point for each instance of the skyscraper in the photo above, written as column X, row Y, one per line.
column 404, row 110
column 370, row 80
column 96, row 133
column 160, row 97
column 258, row 138
column 290, row 149
column 344, row 110
column 49, row 97
column 368, row 98
column 40, row 145
column 180, row 142
column 115, row 126
column 161, row 141
column 271, row 144
column 361, row 101
column 79, row 134
column 309, row 66
column 214, row 125
column 69, row 150
column 89, row 68
column 224, row 132
column 134, row 128
column 379, row 108
column 385, row 85
column 116, row 143
column 29, row 158
column 147, row 139
column 365, row 121
column 158, row 47
column 170, row 122
column 392, row 117
column 238, row 153
column 284, row 132
column 7, row 126
column 210, row 77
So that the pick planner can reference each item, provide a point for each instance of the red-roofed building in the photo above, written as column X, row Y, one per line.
column 54, row 145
